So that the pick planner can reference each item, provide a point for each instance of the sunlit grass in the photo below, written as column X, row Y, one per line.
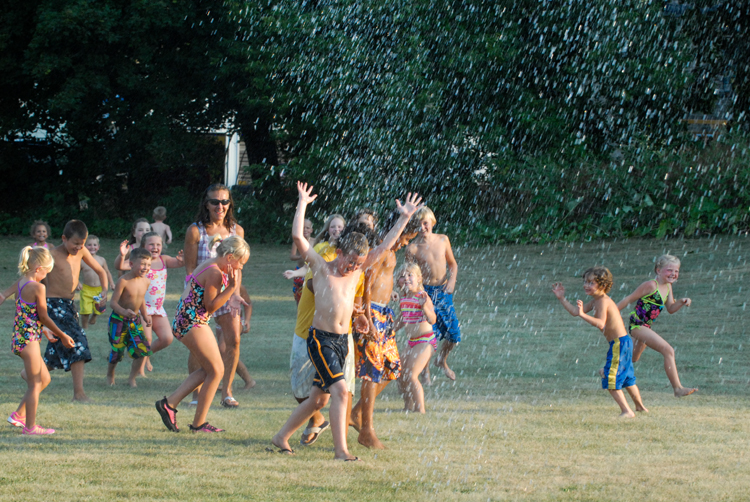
column 526, row 418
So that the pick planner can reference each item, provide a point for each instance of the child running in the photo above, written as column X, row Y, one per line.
column 31, row 312
column 40, row 232
column 417, row 315
column 335, row 285
column 161, row 228
column 61, row 283
column 90, row 286
column 125, row 330
column 434, row 255
column 215, row 281
column 140, row 227
column 652, row 297
column 618, row 371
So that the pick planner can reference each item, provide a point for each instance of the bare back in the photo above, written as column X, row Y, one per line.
column 431, row 254
column 334, row 298
column 162, row 228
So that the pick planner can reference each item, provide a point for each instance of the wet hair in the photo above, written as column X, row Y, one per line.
column 601, row 276
column 92, row 237
column 131, row 238
column 75, row 228
column 424, row 213
column 373, row 240
column 139, row 254
column 160, row 213
column 410, row 267
column 367, row 211
column 234, row 245
column 147, row 236
column 323, row 235
column 353, row 242
column 665, row 260
column 40, row 223
column 33, row 257
column 204, row 216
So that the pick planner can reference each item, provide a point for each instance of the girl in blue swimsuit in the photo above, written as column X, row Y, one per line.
column 651, row 298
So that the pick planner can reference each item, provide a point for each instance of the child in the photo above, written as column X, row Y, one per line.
column 433, row 253
column 368, row 217
column 31, row 312
column 417, row 315
column 618, row 371
column 61, row 283
column 215, row 281
column 335, row 283
column 125, row 330
column 140, row 227
column 161, row 228
column 156, row 292
column 329, row 236
column 40, row 232
column 294, row 255
column 652, row 297
column 90, row 285
column 376, row 352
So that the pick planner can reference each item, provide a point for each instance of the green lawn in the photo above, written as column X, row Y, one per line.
column 526, row 418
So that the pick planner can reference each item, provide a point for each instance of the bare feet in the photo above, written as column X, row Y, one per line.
column 110, row 382
column 684, row 391
column 83, row 398
column 369, row 439
column 249, row 385
column 149, row 366
column 131, row 382
column 448, row 372
column 92, row 320
column 355, row 418
column 641, row 408
column 627, row 414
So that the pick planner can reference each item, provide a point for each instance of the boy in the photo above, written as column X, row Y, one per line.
column 161, row 228
column 378, row 362
column 61, row 284
column 125, row 330
column 90, row 284
column 368, row 217
column 618, row 371
column 334, row 283
column 434, row 255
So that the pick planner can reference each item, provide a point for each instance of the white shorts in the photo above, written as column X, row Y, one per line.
column 302, row 371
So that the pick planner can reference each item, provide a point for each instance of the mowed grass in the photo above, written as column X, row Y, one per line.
column 525, row 420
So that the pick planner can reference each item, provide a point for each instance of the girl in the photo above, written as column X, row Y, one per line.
column 295, row 256
column 215, row 281
column 416, row 317
column 31, row 312
column 40, row 232
column 326, row 239
column 652, row 297
column 156, row 292
column 140, row 227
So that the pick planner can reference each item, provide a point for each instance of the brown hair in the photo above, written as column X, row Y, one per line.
column 601, row 276
column 147, row 236
column 139, row 254
column 204, row 216
column 354, row 241
column 40, row 223
column 160, row 213
column 131, row 238
column 75, row 228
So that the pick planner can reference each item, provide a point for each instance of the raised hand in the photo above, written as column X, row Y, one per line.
column 124, row 248
column 305, row 193
column 559, row 290
column 413, row 202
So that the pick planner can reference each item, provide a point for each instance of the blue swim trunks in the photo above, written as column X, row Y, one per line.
column 446, row 327
column 618, row 372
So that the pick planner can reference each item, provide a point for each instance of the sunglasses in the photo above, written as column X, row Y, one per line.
column 216, row 202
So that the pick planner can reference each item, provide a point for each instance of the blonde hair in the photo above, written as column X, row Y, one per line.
column 234, row 245
column 323, row 235
column 423, row 213
column 664, row 260
column 31, row 258
column 92, row 237
column 160, row 213
column 413, row 268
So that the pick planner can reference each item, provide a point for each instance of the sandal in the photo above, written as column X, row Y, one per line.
column 229, row 402
column 313, row 433
column 283, row 451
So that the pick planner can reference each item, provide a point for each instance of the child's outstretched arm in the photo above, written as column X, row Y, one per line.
column 641, row 291
column 673, row 305
column 9, row 292
column 177, row 262
column 599, row 321
column 298, row 226
column 293, row 274
column 559, row 291
column 121, row 263
column 413, row 203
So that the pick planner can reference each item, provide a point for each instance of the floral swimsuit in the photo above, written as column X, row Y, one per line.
column 647, row 309
column 191, row 312
column 27, row 326
column 157, row 290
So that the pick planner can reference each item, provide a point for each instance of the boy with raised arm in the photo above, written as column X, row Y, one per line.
column 434, row 255
column 618, row 371
column 335, row 283
column 125, row 329
column 61, row 283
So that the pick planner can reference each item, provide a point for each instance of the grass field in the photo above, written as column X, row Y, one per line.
column 525, row 420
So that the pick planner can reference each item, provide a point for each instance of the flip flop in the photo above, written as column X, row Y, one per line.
column 282, row 451
column 229, row 402
column 355, row 459
column 313, row 433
